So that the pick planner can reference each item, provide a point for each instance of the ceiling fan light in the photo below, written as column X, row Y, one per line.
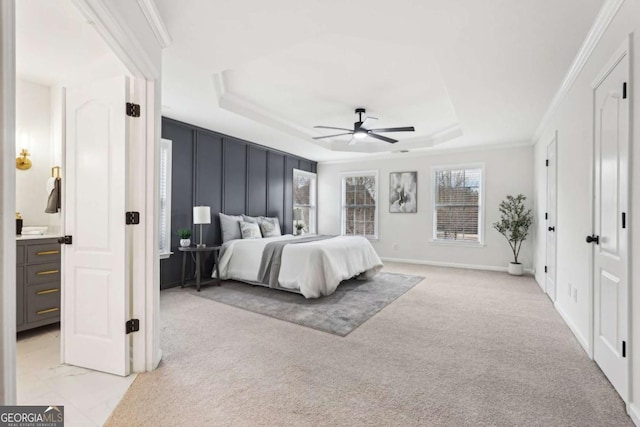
column 359, row 135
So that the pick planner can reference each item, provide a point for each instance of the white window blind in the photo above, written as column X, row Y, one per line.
column 304, row 199
column 164, row 216
column 359, row 204
column 457, row 204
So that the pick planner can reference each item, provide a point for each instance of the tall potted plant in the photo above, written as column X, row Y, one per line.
column 514, row 225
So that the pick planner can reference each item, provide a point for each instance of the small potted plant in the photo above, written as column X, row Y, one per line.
column 299, row 228
column 185, row 235
column 514, row 225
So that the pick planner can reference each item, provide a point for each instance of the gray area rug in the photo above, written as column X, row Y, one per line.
column 352, row 304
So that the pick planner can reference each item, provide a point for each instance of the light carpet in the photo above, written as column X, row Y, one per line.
column 352, row 304
column 461, row 348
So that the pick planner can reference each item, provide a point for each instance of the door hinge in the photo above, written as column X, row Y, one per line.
column 624, row 90
column 545, row 268
column 132, row 325
column 133, row 110
column 546, row 162
column 546, row 215
column 624, row 349
column 65, row 240
column 132, row 218
column 624, row 220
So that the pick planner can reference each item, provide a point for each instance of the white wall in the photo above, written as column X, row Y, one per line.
column 33, row 131
column 574, row 120
column 507, row 171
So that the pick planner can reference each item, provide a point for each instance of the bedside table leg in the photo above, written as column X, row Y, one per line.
column 217, row 267
column 198, row 271
column 184, row 266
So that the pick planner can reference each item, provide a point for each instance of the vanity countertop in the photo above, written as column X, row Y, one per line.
column 37, row 236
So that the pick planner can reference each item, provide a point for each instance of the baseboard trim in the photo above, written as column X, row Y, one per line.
column 634, row 413
column 169, row 285
column 584, row 343
column 450, row 264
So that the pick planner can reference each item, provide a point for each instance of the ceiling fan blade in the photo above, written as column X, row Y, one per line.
column 353, row 140
column 331, row 136
column 330, row 127
column 400, row 129
column 368, row 122
column 382, row 138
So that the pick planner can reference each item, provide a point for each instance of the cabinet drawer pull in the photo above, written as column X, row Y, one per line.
column 49, row 310
column 47, row 291
column 48, row 253
column 44, row 273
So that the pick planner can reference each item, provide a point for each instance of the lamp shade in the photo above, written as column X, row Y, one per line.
column 201, row 215
column 297, row 214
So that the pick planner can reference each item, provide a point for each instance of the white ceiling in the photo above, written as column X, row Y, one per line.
column 463, row 72
column 54, row 43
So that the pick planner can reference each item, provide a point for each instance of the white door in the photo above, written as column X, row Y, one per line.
column 95, row 271
column 611, row 246
column 550, row 285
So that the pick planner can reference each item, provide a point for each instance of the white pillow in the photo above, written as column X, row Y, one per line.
column 250, row 230
column 270, row 227
column 230, row 226
column 254, row 219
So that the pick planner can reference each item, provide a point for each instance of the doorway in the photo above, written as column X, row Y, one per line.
column 71, row 99
column 122, row 27
column 610, row 238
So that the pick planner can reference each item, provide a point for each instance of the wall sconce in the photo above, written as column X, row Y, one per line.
column 23, row 162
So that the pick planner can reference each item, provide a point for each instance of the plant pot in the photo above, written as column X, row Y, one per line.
column 185, row 243
column 515, row 269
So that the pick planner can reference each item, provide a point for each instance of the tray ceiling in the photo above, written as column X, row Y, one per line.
column 464, row 73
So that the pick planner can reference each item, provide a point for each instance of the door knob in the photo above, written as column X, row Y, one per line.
column 593, row 239
column 552, row 229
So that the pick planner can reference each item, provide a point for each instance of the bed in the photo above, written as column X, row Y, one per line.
column 312, row 268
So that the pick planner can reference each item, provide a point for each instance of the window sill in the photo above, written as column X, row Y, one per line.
column 455, row 243
column 165, row 255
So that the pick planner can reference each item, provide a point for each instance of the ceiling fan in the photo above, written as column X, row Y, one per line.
column 362, row 129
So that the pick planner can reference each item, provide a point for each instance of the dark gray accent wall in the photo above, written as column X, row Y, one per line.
column 230, row 175
column 257, row 181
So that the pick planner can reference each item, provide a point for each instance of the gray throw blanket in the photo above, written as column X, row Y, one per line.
column 272, row 258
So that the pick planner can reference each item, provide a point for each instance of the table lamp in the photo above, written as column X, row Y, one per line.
column 201, row 215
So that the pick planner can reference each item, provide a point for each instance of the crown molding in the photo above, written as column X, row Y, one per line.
column 151, row 13
column 603, row 20
column 122, row 41
column 431, row 151
column 243, row 107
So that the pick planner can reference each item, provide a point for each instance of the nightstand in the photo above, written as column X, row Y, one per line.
column 198, row 251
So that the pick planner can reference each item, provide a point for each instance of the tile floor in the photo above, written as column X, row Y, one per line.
column 88, row 396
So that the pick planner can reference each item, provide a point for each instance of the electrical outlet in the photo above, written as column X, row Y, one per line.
column 396, row 246
column 575, row 295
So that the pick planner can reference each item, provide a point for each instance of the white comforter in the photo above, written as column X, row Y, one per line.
column 313, row 268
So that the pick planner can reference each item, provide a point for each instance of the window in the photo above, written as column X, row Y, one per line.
column 164, row 216
column 457, row 214
column 359, row 204
column 304, row 199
